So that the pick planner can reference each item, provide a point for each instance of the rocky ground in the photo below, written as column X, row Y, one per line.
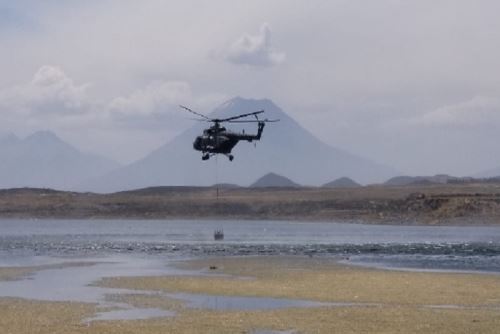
column 421, row 204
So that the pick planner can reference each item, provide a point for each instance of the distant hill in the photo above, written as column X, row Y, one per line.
column 273, row 180
column 162, row 191
column 402, row 180
column 343, row 182
column 33, row 191
column 490, row 173
column 286, row 148
column 420, row 180
column 43, row 160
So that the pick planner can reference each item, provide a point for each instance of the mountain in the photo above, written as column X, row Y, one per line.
column 285, row 148
column 420, row 180
column 44, row 160
column 343, row 182
column 402, row 180
column 274, row 180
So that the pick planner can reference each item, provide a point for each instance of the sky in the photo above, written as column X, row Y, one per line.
column 411, row 84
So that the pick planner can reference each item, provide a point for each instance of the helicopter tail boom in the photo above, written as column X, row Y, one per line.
column 260, row 129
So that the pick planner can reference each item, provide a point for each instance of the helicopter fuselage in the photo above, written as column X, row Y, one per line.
column 218, row 140
column 222, row 143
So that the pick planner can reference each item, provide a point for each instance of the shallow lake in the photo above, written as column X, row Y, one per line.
column 476, row 248
column 246, row 231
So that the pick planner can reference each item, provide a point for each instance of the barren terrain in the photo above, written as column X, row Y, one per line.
column 423, row 204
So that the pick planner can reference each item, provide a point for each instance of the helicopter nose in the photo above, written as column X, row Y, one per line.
column 197, row 144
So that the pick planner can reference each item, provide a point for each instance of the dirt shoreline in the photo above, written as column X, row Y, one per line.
column 404, row 302
column 471, row 204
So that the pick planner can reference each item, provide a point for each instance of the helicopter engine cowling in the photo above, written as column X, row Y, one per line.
column 213, row 144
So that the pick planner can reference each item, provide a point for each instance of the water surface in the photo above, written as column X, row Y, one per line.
column 147, row 247
column 460, row 248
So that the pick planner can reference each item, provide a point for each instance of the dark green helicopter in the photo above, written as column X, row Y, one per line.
column 218, row 140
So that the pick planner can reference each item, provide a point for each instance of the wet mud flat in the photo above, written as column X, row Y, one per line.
column 252, row 294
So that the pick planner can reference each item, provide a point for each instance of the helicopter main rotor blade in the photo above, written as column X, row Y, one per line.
column 194, row 112
column 256, row 121
column 240, row 116
column 199, row 119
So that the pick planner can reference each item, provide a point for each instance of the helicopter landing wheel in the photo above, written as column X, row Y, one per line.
column 231, row 157
column 205, row 157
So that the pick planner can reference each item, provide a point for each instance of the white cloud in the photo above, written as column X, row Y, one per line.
column 478, row 111
column 156, row 107
column 255, row 50
column 156, row 97
column 124, row 127
column 50, row 91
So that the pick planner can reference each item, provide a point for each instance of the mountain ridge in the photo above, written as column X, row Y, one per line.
column 404, row 180
column 44, row 160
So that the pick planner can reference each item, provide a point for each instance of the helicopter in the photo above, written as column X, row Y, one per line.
column 218, row 140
